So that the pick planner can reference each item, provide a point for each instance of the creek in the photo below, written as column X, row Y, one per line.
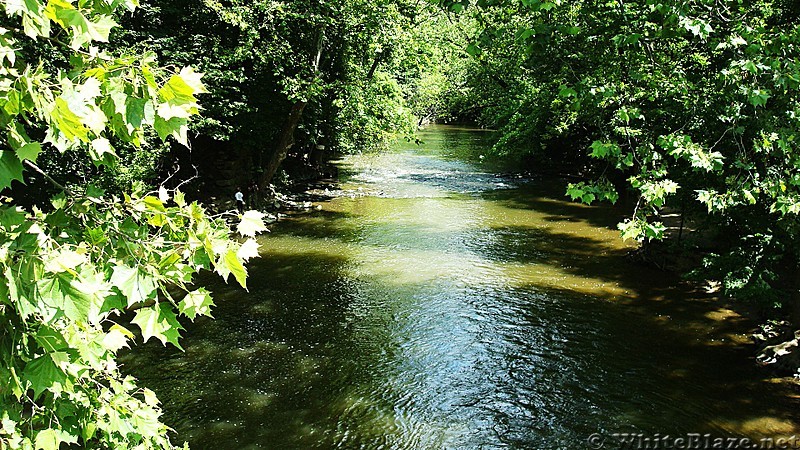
column 442, row 305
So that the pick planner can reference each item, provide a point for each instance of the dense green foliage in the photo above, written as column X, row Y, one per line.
column 80, row 270
column 295, row 77
column 683, row 107
column 671, row 106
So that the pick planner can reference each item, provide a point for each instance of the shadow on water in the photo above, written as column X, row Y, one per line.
column 488, row 319
column 679, row 343
column 547, row 197
column 269, row 371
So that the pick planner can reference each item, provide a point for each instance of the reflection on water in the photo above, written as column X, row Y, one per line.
column 453, row 308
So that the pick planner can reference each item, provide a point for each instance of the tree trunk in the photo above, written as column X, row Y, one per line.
column 286, row 137
column 284, row 144
column 374, row 66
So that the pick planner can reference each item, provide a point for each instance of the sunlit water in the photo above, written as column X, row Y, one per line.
column 445, row 307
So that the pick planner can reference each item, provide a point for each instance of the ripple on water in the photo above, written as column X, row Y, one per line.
column 441, row 313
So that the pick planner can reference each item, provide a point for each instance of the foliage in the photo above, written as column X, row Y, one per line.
column 374, row 116
column 76, row 269
column 262, row 58
column 689, row 106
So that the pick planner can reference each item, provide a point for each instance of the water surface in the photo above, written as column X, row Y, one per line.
column 444, row 306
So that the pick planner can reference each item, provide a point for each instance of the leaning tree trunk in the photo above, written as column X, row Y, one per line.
column 286, row 137
column 374, row 67
column 284, row 144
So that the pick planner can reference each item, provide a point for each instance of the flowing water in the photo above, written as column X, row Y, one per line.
column 440, row 306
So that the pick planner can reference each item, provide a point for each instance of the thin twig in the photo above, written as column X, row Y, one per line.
column 193, row 177
column 177, row 169
column 55, row 41
column 49, row 178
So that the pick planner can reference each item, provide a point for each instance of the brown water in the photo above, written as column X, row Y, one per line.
column 442, row 306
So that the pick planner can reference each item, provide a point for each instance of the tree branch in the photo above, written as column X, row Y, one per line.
column 49, row 178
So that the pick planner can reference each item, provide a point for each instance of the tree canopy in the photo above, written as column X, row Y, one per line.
column 82, row 268
column 668, row 105
column 688, row 107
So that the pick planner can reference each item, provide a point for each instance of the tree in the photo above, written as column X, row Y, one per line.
column 686, row 106
column 284, row 78
column 76, row 269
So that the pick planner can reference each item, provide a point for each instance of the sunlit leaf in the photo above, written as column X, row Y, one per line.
column 135, row 285
column 10, row 168
column 234, row 265
column 196, row 303
column 248, row 250
column 251, row 224
column 160, row 322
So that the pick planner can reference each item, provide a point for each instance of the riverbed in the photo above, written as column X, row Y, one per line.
column 444, row 305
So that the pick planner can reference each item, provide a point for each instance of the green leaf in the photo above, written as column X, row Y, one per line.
column 234, row 265
column 19, row 295
column 180, row 198
column 95, row 193
column 64, row 260
column 50, row 339
column 154, row 204
column 177, row 91
column 525, row 34
column 625, row 161
column 43, row 374
column 160, row 322
column 59, row 201
column 759, row 97
column 575, row 190
column 116, row 338
column 10, row 168
column 176, row 127
column 67, row 123
column 134, row 284
column 198, row 302
column 251, row 224
column 567, row 92
column 150, row 398
column 11, row 217
column 135, row 113
column 193, row 80
column 630, row 229
column 29, row 151
column 60, row 292
column 101, row 27
column 602, row 149
column 48, row 439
